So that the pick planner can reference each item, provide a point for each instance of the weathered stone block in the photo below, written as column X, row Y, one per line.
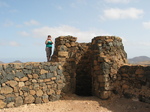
column 59, row 72
column 46, row 80
column 105, row 95
column 60, row 86
column 38, row 100
column 27, row 71
column 58, row 92
column 34, row 80
column 19, row 74
column 25, row 88
column 43, row 76
column 103, row 78
column 30, row 76
column 49, row 75
column 24, row 79
column 28, row 66
column 39, row 92
column 18, row 66
column 53, row 78
column 68, row 45
column 45, row 98
column 73, row 44
column 21, row 84
column 10, row 98
column 53, row 68
column 43, row 71
column 2, row 104
column 62, row 48
column 50, row 92
column 10, row 76
column 29, row 99
column 12, row 83
column 36, row 86
column 6, row 90
column 10, row 105
column 63, row 54
column 139, row 71
column 32, row 92
column 27, row 83
column 35, row 76
column 2, row 97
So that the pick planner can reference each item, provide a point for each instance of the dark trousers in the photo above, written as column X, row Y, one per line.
column 48, row 53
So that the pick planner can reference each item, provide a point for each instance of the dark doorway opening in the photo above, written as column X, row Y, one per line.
column 83, row 85
column 83, row 73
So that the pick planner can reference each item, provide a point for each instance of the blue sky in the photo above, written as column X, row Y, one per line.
column 25, row 24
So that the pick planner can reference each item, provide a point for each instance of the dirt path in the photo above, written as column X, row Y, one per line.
column 73, row 103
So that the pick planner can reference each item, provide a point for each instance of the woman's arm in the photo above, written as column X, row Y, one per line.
column 46, row 41
column 51, row 41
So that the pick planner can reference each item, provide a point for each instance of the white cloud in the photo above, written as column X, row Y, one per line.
column 13, row 43
column 24, row 33
column 146, row 25
column 118, row 1
column 64, row 30
column 116, row 13
column 31, row 22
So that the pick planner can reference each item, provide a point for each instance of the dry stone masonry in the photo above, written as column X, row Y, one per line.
column 93, row 65
column 97, row 68
column 30, row 83
column 134, row 82
column 108, row 55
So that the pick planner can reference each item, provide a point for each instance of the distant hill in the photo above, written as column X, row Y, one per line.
column 17, row 61
column 139, row 59
column 1, row 62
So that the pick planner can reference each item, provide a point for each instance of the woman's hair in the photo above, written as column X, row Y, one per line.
column 48, row 37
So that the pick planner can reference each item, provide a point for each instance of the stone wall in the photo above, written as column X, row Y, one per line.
column 65, row 52
column 28, row 83
column 133, row 81
column 107, row 57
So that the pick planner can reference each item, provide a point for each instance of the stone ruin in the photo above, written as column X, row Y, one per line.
column 98, row 68
column 93, row 66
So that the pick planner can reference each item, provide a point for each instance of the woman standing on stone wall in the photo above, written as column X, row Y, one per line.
column 48, row 49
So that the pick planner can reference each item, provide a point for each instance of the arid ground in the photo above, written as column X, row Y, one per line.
column 74, row 103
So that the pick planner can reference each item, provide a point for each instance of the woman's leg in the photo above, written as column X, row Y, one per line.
column 47, row 53
column 50, row 52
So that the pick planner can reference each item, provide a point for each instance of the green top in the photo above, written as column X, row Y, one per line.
column 49, row 44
